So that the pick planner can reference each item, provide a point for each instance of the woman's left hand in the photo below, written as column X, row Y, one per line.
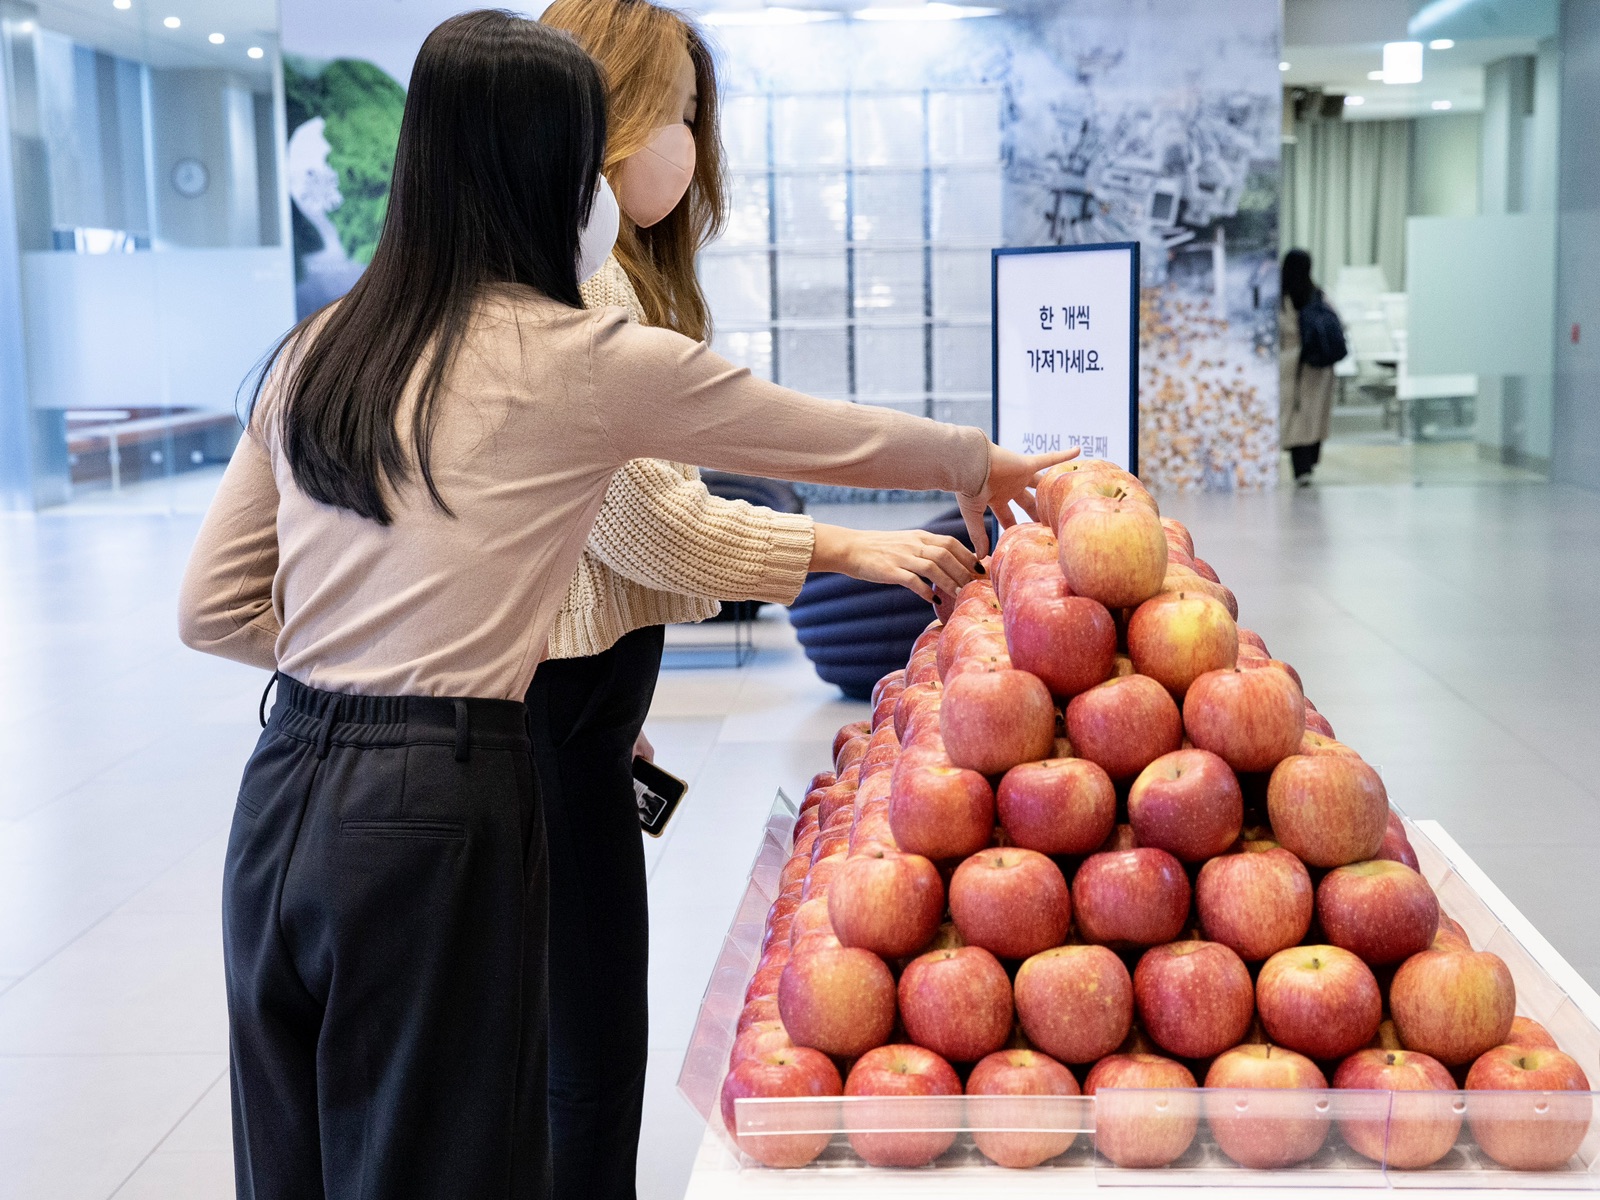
column 912, row 558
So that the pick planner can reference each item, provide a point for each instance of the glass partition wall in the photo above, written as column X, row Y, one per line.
column 147, row 258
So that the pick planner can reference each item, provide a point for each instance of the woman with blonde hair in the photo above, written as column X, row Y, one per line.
column 662, row 551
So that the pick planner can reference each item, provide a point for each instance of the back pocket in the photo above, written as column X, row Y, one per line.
column 419, row 827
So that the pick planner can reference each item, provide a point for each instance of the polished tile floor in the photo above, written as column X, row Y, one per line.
column 1447, row 632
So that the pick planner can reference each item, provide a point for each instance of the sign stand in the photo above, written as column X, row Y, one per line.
column 1066, row 350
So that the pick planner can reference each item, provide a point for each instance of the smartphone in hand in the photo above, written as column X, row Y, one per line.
column 657, row 795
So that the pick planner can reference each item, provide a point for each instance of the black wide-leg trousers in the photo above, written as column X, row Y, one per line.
column 384, row 926
column 584, row 715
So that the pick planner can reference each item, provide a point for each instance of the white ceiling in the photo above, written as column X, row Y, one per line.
column 138, row 33
column 1455, row 75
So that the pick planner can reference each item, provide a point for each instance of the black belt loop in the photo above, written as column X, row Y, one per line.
column 326, row 736
column 462, row 731
column 261, row 709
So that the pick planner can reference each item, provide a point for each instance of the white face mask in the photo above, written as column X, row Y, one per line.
column 598, row 236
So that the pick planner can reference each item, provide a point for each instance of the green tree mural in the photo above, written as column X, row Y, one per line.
column 360, row 105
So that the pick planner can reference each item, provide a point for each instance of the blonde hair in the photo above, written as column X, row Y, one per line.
column 634, row 41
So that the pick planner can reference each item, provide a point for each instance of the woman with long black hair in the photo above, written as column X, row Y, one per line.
column 1305, row 388
column 394, row 537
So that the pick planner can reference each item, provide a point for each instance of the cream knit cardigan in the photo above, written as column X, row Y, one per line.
column 664, row 550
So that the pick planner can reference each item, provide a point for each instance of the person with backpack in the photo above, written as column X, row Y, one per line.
column 1310, row 342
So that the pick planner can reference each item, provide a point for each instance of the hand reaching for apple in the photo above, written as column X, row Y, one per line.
column 912, row 558
column 1011, row 479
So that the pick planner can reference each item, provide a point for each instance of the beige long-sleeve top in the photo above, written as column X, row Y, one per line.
column 541, row 407
column 664, row 550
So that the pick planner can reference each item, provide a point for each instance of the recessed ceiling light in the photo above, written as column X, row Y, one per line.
column 1375, row 76
column 1402, row 62
column 1355, row 101
column 171, row 22
column 216, row 39
column 255, row 52
column 122, row 4
column 1442, row 44
column 1442, row 106
column 26, row 27
column 1283, row 66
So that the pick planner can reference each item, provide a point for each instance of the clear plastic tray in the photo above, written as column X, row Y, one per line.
column 1322, row 1123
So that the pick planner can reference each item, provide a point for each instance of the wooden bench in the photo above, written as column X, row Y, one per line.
column 120, row 433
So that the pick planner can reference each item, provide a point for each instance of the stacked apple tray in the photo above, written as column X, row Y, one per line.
column 1096, row 890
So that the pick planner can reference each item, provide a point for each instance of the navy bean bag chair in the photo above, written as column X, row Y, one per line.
column 855, row 633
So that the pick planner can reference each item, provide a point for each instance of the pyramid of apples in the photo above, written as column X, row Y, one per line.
column 1094, row 836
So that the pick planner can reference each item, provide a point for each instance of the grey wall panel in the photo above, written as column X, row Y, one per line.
column 1576, row 450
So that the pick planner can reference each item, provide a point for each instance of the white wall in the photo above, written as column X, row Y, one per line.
column 1444, row 165
column 180, row 328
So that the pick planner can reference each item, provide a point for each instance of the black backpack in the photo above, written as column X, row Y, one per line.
column 1321, row 334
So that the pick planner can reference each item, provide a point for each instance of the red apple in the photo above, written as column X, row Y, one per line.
column 1021, row 547
column 763, row 1037
column 1253, row 719
column 838, row 1001
column 1536, row 1133
column 1058, row 806
column 1068, row 641
column 957, row 1003
column 1256, row 902
column 1420, row 1129
column 1396, row 846
column 900, row 1071
column 1139, row 1123
column 1012, row 902
column 1379, row 910
column 810, row 917
column 1112, row 550
column 785, row 1074
column 1075, row 1002
column 849, row 732
column 1187, row 803
column 1172, row 528
column 886, row 902
column 1453, row 1004
column 1314, row 743
column 1319, row 1000
column 1058, row 480
column 913, row 700
column 1252, row 1138
column 1009, row 1132
column 992, row 722
column 756, row 1011
column 1195, row 999
column 1124, row 724
column 941, row 812
column 1328, row 810
column 893, row 681
column 1131, row 898
column 1249, row 637
column 1318, row 723
column 1525, row 1031
column 849, row 755
column 1175, row 637
column 819, row 781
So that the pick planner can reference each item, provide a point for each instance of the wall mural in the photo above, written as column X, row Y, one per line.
column 344, row 122
column 1149, row 120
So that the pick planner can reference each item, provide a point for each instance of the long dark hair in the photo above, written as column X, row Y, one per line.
column 1297, row 283
column 499, row 157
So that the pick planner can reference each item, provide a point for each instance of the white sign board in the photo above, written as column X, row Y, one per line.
column 1066, row 350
